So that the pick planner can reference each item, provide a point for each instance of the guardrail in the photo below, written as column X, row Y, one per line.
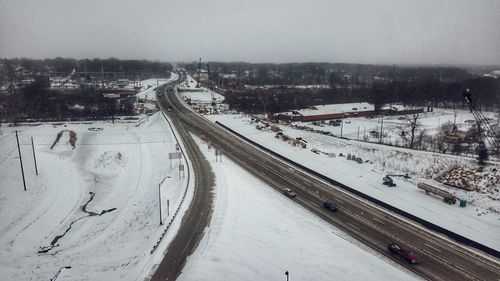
column 430, row 225
column 183, row 195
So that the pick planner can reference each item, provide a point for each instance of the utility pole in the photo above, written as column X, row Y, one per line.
column 20, row 160
column 381, row 129
column 159, row 199
column 34, row 155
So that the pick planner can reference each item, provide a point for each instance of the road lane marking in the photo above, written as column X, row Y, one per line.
column 377, row 220
column 353, row 226
column 437, row 250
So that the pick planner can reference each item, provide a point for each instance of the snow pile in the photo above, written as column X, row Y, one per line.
column 110, row 161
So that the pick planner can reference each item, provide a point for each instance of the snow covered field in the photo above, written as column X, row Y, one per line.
column 94, row 207
column 257, row 233
column 480, row 221
column 360, row 128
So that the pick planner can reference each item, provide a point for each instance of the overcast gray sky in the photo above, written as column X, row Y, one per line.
column 381, row 31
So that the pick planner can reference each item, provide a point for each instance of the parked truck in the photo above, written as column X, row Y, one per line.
column 447, row 197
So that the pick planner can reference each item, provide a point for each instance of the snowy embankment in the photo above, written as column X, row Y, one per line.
column 257, row 233
column 188, row 90
column 479, row 221
column 93, row 207
column 149, row 86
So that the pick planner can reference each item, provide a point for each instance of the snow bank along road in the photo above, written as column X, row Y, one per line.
column 442, row 259
column 196, row 218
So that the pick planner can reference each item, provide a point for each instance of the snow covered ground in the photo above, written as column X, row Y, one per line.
column 360, row 128
column 480, row 221
column 101, row 198
column 257, row 234
column 202, row 96
column 149, row 86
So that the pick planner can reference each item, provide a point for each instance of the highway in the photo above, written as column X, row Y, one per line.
column 196, row 218
column 442, row 259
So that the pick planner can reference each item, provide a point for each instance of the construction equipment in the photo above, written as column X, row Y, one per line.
column 488, row 134
column 447, row 197
column 390, row 182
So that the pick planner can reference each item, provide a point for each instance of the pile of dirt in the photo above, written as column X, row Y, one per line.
column 489, row 182
column 71, row 141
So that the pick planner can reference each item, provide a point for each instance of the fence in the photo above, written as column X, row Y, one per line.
column 183, row 195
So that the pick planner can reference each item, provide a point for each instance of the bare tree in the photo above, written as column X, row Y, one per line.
column 414, row 124
column 421, row 136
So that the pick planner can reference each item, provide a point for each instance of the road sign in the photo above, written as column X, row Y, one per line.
column 174, row 155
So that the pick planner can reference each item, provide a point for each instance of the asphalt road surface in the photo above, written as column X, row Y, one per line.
column 196, row 218
column 442, row 259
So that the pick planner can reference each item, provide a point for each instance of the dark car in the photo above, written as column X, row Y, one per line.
column 288, row 192
column 330, row 206
column 403, row 253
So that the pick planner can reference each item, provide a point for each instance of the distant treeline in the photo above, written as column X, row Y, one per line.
column 26, row 92
column 433, row 93
column 130, row 68
column 378, row 84
column 326, row 73
column 37, row 101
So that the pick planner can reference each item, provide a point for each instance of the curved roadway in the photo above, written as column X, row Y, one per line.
column 197, row 217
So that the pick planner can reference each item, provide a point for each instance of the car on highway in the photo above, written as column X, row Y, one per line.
column 404, row 253
column 330, row 206
column 288, row 192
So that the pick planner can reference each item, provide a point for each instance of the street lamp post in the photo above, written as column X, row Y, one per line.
column 59, row 272
column 159, row 200
column 159, row 197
